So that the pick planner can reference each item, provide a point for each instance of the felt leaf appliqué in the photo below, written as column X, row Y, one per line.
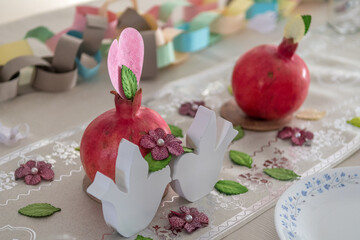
column 188, row 150
column 355, row 122
column 139, row 237
column 241, row 158
column 307, row 21
column 176, row 131
column 38, row 210
column 129, row 83
column 310, row 114
column 240, row 134
column 230, row 90
column 282, row 174
column 156, row 165
column 229, row 187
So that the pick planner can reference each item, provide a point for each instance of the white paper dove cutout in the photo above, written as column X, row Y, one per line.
column 195, row 174
column 131, row 203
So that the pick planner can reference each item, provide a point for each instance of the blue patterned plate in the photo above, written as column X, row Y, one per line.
column 324, row 206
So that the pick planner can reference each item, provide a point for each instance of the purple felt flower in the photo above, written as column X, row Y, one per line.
column 190, row 108
column 189, row 218
column 161, row 144
column 297, row 136
column 33, row 172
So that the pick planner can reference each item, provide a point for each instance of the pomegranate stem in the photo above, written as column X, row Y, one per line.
column 287, row 47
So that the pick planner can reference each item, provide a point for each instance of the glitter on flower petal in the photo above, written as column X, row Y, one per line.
column 190, row 108
column 147, row 141
column 189, row 219
column 22, row 171
column 33, row 172
column 176, row 222
column 32, row 179
column 175, row 148
column 159, row 153
column 285, row 133
column 298, row 137
column 161, row 144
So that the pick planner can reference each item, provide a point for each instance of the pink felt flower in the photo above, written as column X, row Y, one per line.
column 128, row 51
column 33, row 172
column 190, row 108
column 161, row 144
column 297, row 136
column 189, row 218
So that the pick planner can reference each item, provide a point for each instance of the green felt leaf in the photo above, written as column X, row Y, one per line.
column 281, row 174
column 188, row 150
column 155, row 165
column 176, row 131
column 241, row 158
column 77, row 149
column 355, row 121
column 38, row 210
column 229, row 187
column 240, row 134
column 128, row 81
column 139, row 237
column 230, row 90
column 307, row 22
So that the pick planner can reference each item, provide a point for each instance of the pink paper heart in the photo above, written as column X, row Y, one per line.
column 128, row 51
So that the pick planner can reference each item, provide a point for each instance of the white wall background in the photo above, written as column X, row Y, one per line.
column 11, row 10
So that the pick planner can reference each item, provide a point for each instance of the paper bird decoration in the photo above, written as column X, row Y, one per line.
column 195, row 174
column 131, row 203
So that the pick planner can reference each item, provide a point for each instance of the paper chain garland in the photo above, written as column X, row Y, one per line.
column 130, row 204
column 57, row 73
column 203, row 24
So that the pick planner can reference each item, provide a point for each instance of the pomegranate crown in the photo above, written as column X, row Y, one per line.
column 125, row 62
column 295, row 29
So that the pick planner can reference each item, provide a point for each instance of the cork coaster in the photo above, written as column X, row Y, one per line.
column 87, row 182
column 231, row 112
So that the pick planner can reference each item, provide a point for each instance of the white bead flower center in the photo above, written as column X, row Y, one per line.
column 160, row 142
column 297, row 135
column 188, row 218
column 34, row 170
column 194, row 107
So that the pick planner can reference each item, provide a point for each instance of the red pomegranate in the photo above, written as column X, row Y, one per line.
column 100, row 142
column 272, row 82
